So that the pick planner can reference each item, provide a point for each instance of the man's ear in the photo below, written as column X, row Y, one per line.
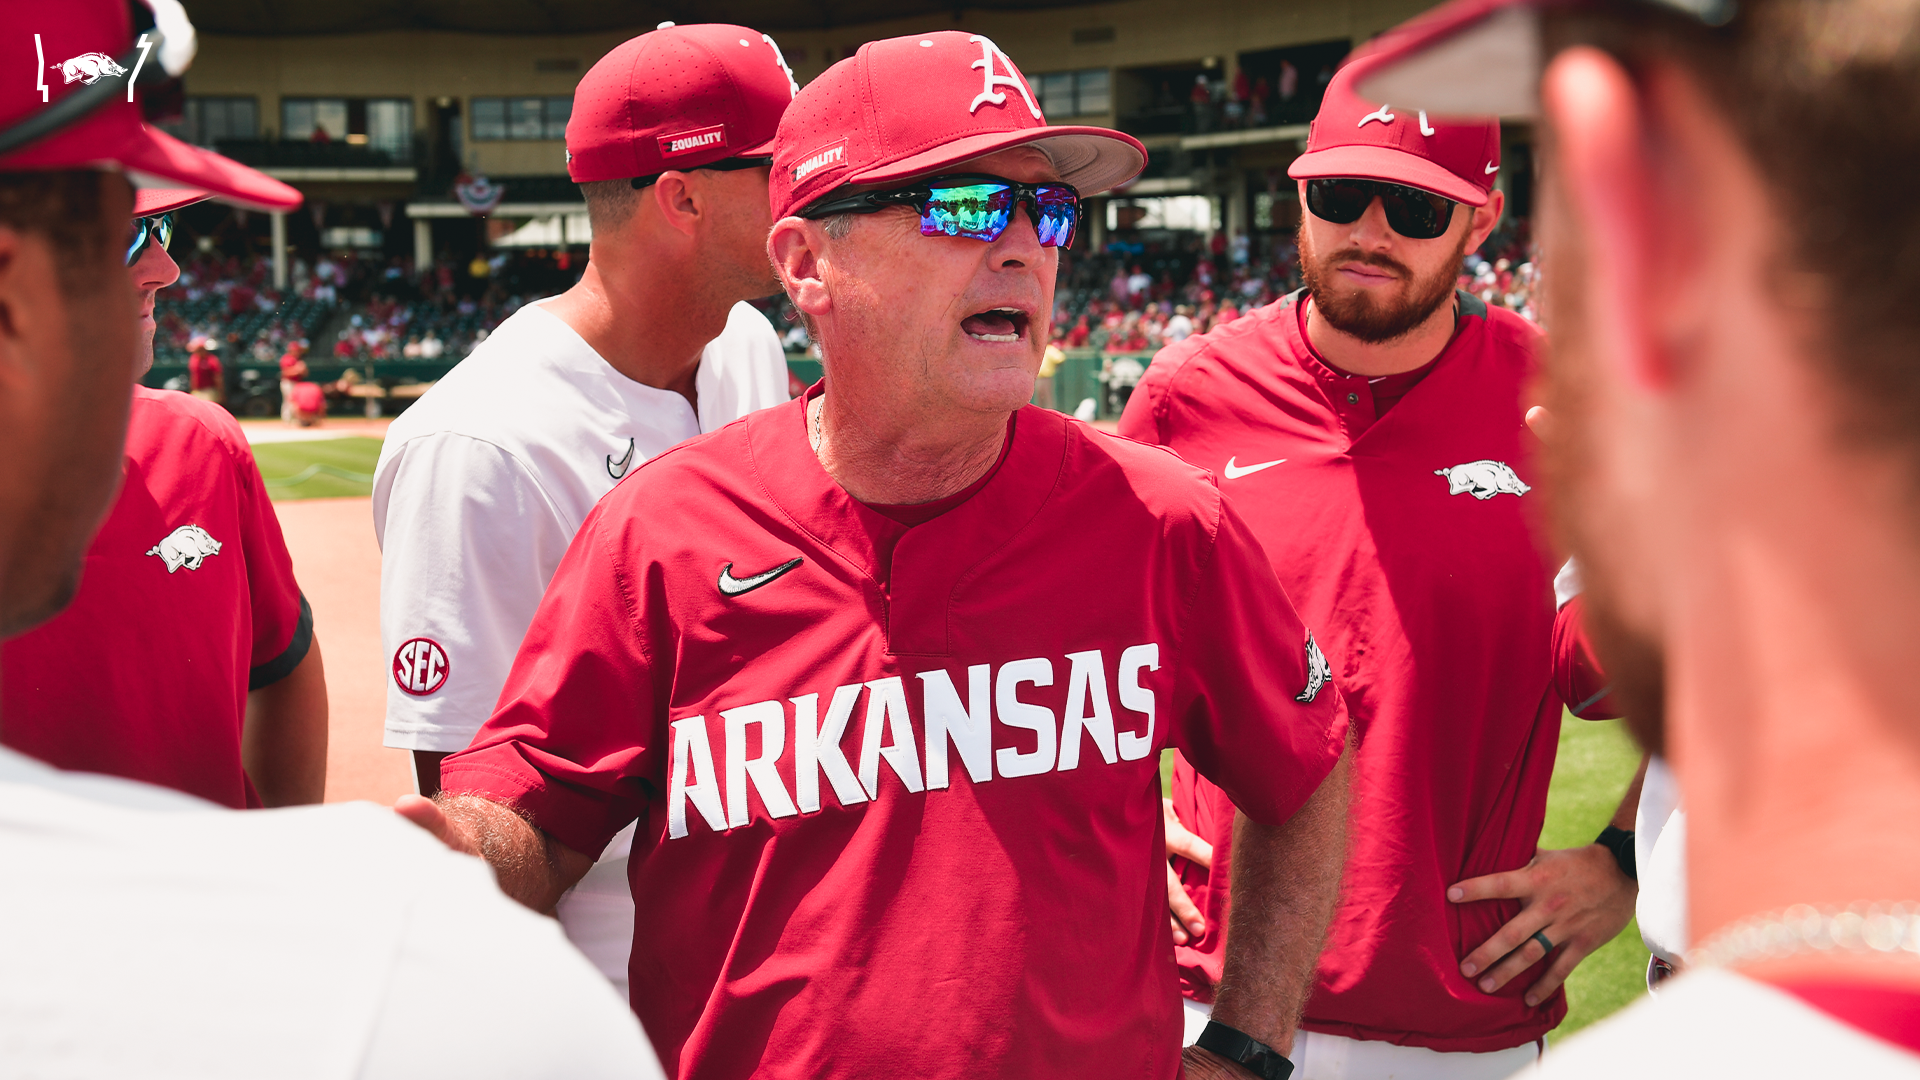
column 680, row 199
column 1485, row 218
column 794, row 246
column 1600, row 156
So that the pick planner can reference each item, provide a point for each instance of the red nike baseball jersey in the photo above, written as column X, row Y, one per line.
column 897, row 785
column 1407, row 541
column 187, row 599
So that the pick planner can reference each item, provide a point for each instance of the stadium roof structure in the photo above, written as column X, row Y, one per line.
column 278, row 18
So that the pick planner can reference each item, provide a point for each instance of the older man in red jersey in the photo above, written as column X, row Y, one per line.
column 968, row 886
column 1370, row 429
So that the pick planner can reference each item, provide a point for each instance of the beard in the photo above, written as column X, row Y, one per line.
column 1356, row 313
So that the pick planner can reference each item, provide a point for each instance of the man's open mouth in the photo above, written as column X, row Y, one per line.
column 996, row 324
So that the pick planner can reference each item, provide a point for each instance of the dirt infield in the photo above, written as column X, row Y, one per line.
column 338, row 565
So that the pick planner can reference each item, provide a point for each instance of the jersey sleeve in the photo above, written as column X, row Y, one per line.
column 574, row 735
column 1145, row 417
column 282, row 621
column 1257, row 710
column 1577, row 675
column 468, row 539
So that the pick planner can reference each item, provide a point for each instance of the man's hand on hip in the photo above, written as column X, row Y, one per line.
column 1187, row 921
column 1577, row 897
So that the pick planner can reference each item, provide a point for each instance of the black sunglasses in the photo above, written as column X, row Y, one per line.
column 976, row 206
column 732, row 164
column 157, row 229
column 1411, row 212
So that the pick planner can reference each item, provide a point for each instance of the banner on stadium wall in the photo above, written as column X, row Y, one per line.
column 478, row 194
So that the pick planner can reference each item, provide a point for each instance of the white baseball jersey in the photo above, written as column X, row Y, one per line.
column 151, row 934
column 1716, row 1023
column 479, row 490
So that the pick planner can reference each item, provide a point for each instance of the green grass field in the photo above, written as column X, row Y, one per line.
column 323, row 469
column 1595, row 762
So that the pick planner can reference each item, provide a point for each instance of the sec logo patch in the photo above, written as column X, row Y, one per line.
column 420, row 666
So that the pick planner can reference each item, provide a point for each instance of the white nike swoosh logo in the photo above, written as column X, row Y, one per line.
column 733, row 586
column 1235, row 472
column 1492, row 168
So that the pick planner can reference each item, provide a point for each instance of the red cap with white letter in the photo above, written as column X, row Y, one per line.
column 1353, row 137
column 677, row 98
column 913, row 106
column 70, row 99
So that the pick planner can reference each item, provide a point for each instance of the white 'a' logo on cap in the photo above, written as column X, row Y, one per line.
column 988, row 52
column 793, row 88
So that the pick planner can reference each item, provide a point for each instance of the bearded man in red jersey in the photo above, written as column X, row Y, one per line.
column 1370, row 428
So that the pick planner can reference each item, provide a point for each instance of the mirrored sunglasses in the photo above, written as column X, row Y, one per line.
column 1411, row 212
column 157, row 229
column 978, row 207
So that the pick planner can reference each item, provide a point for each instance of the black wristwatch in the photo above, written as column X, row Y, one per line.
column 1620, row 842
column 1239, row 1047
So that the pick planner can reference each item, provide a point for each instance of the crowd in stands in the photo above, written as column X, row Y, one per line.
column 231, row 300
column 1131, row 298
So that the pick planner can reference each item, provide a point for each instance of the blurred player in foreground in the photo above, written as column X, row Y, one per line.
column 897, row 775
column 1734, row 389
column 1369, row 427
column 484, row 481
column 216, row 688
column 146, row 932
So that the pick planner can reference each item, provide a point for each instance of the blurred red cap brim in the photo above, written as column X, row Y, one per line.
column 150, row 201
column 156, row 159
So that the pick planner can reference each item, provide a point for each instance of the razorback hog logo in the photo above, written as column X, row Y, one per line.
column 1483, row 479
column 777, row 753
column 188, row 546
column 90, row 68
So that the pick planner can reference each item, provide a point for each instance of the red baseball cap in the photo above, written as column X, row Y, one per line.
column 1457, row 158
column 913, row 106
column 81, row 110
column 678, row 98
